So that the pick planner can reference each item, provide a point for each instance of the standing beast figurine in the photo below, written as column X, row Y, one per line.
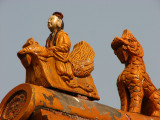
column 136, row 91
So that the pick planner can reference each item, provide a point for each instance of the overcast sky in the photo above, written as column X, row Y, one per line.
column 95, row 21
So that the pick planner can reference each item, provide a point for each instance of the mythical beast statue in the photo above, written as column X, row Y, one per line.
column 136, row 91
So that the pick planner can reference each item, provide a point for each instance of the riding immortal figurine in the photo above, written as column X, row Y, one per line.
column 55, row 67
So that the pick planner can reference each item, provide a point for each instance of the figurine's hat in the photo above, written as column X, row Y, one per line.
column 58, row 14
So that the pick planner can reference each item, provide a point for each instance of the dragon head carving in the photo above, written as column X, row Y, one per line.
column 32, row 49
column 126, row 47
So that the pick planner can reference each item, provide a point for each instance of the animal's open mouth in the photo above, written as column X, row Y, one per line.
column 117, row 43
column 119, row 47
column 21, row 54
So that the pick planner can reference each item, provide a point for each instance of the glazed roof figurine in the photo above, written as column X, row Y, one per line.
column 136, row 91
column 55, row 67
column 53, row 72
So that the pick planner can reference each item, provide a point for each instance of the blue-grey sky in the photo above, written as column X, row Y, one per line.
column 95, row 21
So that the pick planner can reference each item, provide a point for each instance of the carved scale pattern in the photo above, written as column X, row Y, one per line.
column 82, row 59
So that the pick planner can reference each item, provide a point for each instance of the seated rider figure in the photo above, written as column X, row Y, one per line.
column 59, row 43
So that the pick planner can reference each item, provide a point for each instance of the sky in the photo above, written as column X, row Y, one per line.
column 94, row 21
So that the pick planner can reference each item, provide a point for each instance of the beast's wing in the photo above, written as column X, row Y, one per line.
column 82, row 59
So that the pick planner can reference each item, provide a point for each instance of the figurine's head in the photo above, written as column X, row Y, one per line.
column 55, row 22
column 127, row 47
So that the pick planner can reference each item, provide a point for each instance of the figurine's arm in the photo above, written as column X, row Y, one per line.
column 62, row 48
column 63, row 45
column 136, row 94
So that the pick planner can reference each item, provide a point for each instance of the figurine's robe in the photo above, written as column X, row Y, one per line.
column 60, row 45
